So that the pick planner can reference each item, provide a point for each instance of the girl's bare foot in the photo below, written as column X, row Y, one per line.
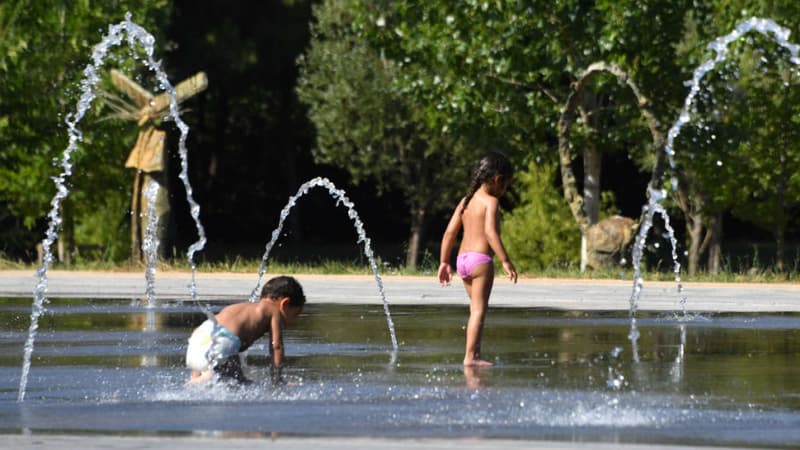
column 477, row 362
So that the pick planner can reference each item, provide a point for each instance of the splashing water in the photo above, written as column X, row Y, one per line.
column 341, row 199
column 766, row 27
column 633, row 335
column 150, row 242
column 135, row 35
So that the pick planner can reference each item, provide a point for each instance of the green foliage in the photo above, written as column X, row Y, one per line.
column 540, row 232
column 359, row 120
column 740, row 152
column 767, row 193
column 103, row 231
column 44, row 46
column 500, row 71
column 367, row 124
column 406, row 94
column 363, row 123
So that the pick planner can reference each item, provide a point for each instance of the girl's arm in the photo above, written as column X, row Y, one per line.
column 448, row 240
column 491, row 227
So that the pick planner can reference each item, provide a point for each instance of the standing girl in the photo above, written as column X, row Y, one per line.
column 478, row 214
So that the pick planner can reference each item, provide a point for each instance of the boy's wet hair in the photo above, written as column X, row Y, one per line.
column 284, row 286
column 490, row 166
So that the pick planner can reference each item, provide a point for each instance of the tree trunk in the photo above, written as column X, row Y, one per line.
column 415, row 236
column 782, row 186
column 592, row 157
column 574, row 199
column 715, row 243
column 66, row 242
column 694, row 228
column 584, row 251
column 136, row 240
column 780, row 243
column 691, row 206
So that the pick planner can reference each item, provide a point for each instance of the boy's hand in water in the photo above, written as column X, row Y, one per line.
column 510, row 271
column 445, row 274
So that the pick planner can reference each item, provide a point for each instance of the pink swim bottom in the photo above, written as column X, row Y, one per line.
column 466, row 262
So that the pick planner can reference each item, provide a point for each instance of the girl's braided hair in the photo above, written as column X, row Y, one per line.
column 491, row 165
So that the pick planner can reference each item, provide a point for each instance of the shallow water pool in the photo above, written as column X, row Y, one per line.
column 103, row 365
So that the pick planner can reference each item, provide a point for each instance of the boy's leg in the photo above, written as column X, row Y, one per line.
column 479, row 286
column 199, row 377
column 231, row 368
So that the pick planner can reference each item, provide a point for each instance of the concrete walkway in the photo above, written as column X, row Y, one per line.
column 60, row 442
column 400, row 290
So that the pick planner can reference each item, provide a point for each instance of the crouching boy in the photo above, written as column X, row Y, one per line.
column 215, row 345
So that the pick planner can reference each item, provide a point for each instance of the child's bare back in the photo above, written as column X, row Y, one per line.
column 476, row 223
column 247, row 320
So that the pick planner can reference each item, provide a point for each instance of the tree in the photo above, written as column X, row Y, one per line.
column 502, row 71
column 727, row 156
column 368, row 126
column 586, row 217
column 742, row 149
column 44, row 46
column 539, row 232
